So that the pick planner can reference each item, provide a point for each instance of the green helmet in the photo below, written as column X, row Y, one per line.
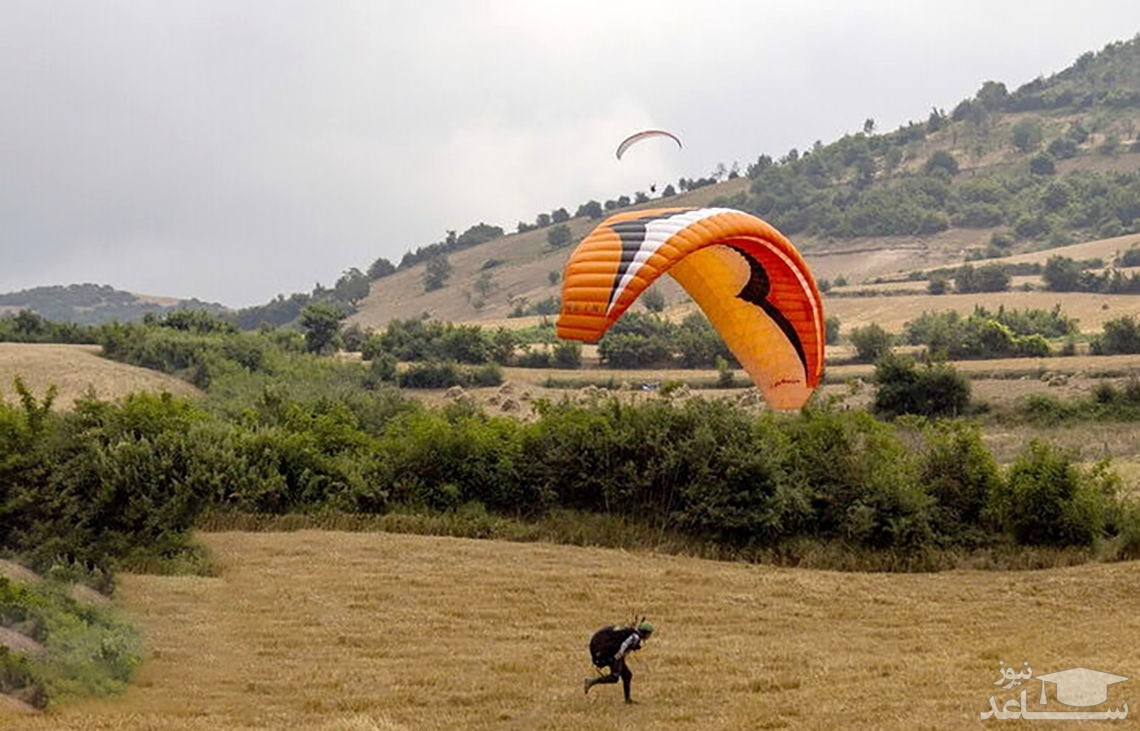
column 644, row 628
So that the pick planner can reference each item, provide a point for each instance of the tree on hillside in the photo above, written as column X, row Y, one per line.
column 559, row 236
column 352, row 287
column 992, row 96
column 1042, row 164
column 436, row 272
column 653, row 299
column 1027, row 135
column 1061, row 274
column 989, row 278
column 941, row 160
column 321, row 323
column 593, row 209
column 936, row 120
column 381, row 268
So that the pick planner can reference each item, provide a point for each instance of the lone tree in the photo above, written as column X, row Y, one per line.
column 559, row 236
column 352, row 287
column 871, row 342
column 941, row 161
column 436, row 272
column 381, row 268
column 903, row 387
column 321, row 323
column 653, row 299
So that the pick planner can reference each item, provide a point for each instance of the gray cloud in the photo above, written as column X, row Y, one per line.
column 235, row 150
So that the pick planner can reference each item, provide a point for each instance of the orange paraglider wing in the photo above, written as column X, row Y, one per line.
column 751, row 283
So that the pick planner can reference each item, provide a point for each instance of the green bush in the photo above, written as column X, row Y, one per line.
column 960, row 474
column 533, row 358
column 567, row 354
column 935, row 389
column 88, row 650
column 435, row 374
column 1121, row 335
column 1049, row 500
column 871, row 342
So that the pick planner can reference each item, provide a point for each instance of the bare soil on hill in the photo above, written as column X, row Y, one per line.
column 326, row 630
column 77, row 370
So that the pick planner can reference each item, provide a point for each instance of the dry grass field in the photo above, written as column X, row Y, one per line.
column 373, row 631
column 76, row 369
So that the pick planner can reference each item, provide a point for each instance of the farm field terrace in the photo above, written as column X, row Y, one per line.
column 330, row 630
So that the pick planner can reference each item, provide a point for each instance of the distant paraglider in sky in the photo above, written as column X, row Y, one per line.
column 633, row 139
column 752, row 284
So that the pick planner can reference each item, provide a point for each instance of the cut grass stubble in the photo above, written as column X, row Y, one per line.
column 318, row 629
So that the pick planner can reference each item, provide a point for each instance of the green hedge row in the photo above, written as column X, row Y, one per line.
column 109, row 483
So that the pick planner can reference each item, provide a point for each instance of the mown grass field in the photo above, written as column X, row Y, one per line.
column 75, row 369
column 328, row 630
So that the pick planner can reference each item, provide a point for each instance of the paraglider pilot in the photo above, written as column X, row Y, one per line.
column 609, row 647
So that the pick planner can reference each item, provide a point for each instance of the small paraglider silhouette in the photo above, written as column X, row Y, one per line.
column 636, row 137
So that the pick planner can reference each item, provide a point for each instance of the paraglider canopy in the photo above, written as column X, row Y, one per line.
column 751, row 283
column 633, row 139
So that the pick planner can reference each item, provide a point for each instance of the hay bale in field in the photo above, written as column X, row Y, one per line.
column 510, row 405
column 493, row 399
column 455, row 392
column 525, row 396
column 506, row 388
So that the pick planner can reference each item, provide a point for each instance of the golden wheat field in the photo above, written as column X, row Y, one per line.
column 363, row 631
column 76, row 369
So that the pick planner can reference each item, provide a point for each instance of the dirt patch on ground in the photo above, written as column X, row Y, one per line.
column 16, row 572
column 15, row 706
column 18, row 642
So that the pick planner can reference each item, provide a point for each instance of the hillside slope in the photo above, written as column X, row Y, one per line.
column 95, row 304
column 76, row 370
column 1053, row 163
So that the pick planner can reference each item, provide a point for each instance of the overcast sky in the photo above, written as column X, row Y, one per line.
column 232, row 150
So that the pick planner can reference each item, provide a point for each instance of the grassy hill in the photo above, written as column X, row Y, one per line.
column 1053, row 163
column 76, row 370
column 95, row 304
